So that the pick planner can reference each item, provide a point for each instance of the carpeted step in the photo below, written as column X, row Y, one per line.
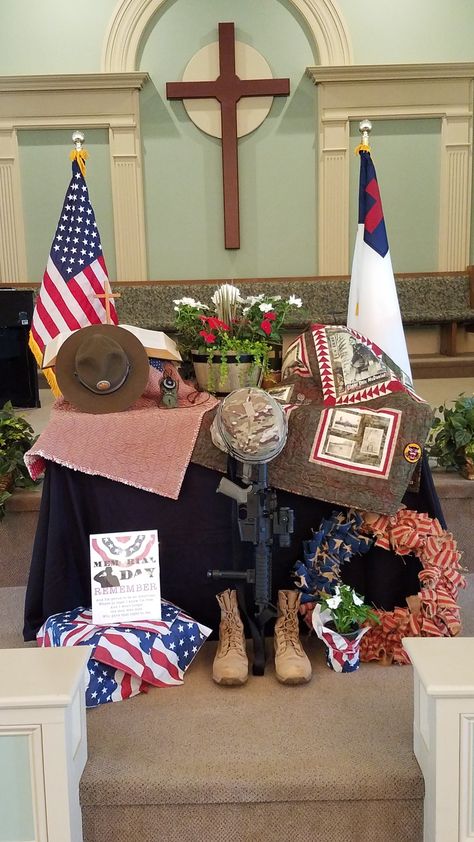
column 456, row 496
column 328, row 760
column 331, row 760
column 17, row 534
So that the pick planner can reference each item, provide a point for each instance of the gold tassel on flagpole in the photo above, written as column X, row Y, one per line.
column 48, row 372
column 79, row 154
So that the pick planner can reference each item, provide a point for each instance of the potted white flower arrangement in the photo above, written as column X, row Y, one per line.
column 338, row 620
column 238, row 332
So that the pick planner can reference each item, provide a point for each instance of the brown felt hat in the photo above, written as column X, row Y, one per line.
column 102, row 368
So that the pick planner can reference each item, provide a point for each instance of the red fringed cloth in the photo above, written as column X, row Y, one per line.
column 434, row 612
column 146, row 446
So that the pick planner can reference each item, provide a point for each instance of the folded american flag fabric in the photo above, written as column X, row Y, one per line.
column 127, row 659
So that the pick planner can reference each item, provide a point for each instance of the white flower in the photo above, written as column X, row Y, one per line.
column 265, row 308
column 294, row 301
column 253, row 299
column 357, row 600
column 334, row 601
column 189, row 301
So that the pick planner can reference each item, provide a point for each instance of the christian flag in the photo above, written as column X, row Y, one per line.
column 75, row 273
column 373, row 309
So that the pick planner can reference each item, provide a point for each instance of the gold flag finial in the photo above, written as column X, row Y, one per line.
column 365, row 127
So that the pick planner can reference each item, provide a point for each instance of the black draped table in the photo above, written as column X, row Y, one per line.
column 195, row 534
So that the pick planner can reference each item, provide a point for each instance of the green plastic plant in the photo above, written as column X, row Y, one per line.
column 451, row 438
column 16, row 437
column 348, row 609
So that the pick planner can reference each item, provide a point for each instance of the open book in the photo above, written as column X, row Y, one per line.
column 156, row 343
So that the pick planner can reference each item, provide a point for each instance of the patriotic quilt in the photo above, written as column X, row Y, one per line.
column 128, row 659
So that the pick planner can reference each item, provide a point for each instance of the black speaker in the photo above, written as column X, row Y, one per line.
column 18, row 368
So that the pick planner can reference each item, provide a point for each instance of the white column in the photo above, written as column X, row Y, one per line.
column 12, row 235
column 128, row 203
column 333, row 198
column 455, row 193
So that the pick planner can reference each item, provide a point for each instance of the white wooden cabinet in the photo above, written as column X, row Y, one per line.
column 444, row 733
column 43, row 745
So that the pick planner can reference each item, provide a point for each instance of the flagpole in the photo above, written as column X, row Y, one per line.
column 75, row 272
column 373, row 306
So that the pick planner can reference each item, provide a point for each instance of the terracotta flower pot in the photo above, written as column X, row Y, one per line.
column 467, row 469
column 6, row 482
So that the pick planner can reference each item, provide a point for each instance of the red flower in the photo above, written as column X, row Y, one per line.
column 216, row 324
column 271, row 316
column 209, row 338
column 266, row 326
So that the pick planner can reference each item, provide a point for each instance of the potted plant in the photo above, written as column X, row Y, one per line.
column 451, row 438
column 237, row 332
column 16, row 437
column 338, row 621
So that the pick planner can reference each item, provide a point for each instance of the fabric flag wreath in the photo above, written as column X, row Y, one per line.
column 373, row 308
column 75, row 273
column 432, row 612
column 127, row 660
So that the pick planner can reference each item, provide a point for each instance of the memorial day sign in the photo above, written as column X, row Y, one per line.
column 125, row 577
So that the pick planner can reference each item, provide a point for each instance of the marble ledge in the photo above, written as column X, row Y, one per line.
column 423, row 299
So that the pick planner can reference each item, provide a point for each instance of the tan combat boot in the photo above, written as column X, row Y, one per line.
column 231, row 664
column 292, row 665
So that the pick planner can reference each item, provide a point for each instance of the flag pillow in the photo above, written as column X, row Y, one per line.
column 127, row 659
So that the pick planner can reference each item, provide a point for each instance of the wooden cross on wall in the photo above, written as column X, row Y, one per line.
column 228, row 89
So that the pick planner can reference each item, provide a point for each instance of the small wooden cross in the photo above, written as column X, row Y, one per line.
column 107, row 295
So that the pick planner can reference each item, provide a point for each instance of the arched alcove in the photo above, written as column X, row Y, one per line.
column 122, row 39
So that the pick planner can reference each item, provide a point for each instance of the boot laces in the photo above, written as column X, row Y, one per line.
column 231, row 633
column 288, row 631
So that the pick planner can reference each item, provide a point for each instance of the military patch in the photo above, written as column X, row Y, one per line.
column 412, row 452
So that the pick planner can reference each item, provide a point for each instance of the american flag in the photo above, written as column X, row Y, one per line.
column 126, row 660
column 75, row 274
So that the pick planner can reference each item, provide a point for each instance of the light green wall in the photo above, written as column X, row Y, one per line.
column 16, row 810
column 46, row 172
column 52, row 36
column 182, row 166
column 406, row 156
column 183, row 173
column 405, row 31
